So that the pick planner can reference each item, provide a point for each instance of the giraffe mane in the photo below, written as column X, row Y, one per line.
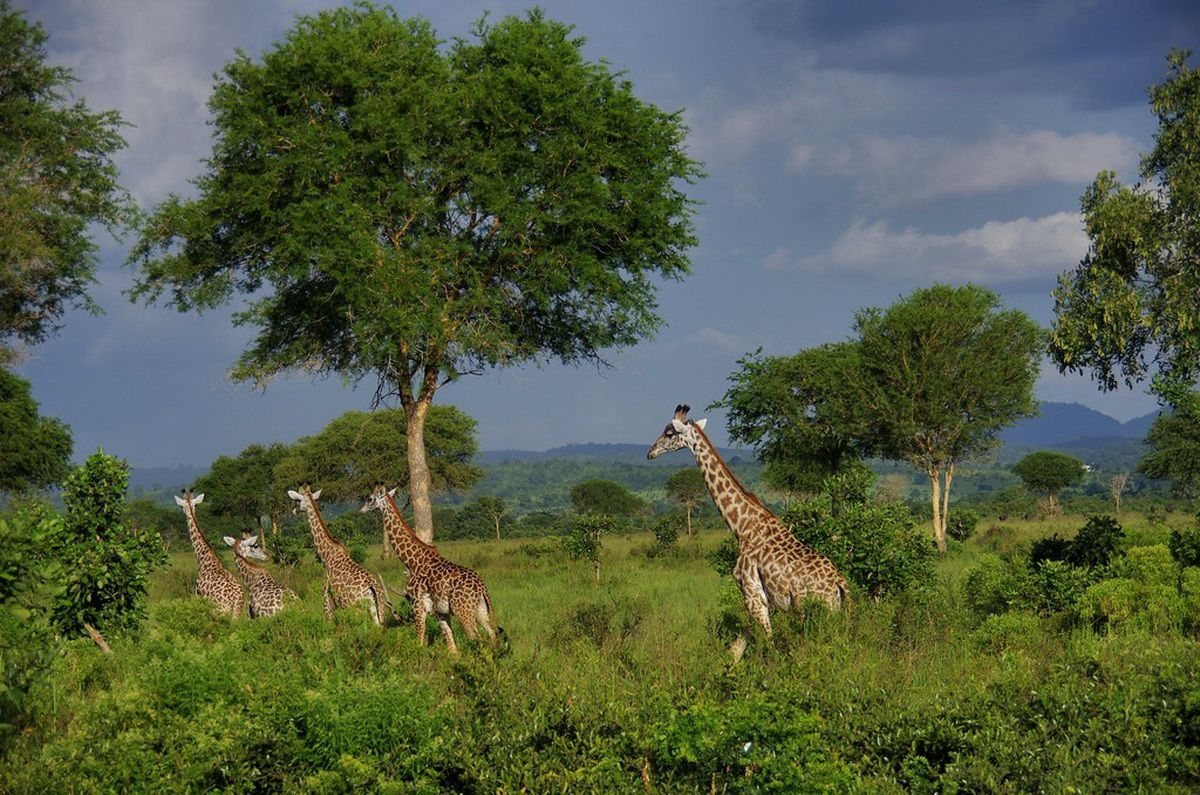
column 749, row 495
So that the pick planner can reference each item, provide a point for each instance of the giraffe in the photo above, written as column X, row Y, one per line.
column 213, row 581
column 435, row 585
column 773, row 569
column 346, row 582
column 267, row 597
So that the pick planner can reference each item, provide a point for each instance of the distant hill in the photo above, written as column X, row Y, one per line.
column 164, row 478
column 1068, row 423
column 598, row 452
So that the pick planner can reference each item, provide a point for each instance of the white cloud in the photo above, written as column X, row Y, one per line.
column 923, row 169
column 997, row 251
column 715, row 338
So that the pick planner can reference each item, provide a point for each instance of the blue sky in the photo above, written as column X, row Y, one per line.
column 856, row 151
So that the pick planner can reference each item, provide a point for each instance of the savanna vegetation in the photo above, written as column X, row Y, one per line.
column 996, row 645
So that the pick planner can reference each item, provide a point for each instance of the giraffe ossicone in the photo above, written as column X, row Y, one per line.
column 773, row 568
column 435, row 585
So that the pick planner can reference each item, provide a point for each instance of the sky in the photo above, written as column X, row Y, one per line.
column 854, row 151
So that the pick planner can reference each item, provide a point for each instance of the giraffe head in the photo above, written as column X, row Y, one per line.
column 680, row 432
column 304, row 496
column 378, row 499
column 188, row 499
column 247, row 547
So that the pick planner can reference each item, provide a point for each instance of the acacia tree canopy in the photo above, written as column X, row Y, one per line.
column 1129, row 308
column 941, row 373
column 1174, row 442
column 35, row 451
column 399, row 209
column 1048, row 472
column 56, row 178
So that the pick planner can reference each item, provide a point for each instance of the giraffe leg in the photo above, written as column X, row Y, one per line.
column 328, row 596
column 757, row 606
column 484, row 617
column 448, row 634
column 420, row 610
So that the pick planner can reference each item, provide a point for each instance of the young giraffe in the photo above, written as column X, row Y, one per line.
column 346, row 582
column 773, row 567
column 267, row 597
column 435, row 585
column 213, row 581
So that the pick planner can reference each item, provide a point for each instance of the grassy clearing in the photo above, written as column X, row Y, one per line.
column 625, row 686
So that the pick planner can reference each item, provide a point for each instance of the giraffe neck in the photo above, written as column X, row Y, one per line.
column 328, row 547
column 411, row 549
column 249, row 570
column 737, row 505
column 204, row 552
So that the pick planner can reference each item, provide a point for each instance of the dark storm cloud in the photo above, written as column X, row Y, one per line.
column 1098, row 54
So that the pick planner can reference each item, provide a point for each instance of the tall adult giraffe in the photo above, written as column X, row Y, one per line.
column 267, row 595
column 773, row 568
column 435, row 585
column 213, row 581
column 346, row 582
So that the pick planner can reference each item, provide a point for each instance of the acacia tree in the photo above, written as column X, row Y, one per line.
column 801, row 414
column 57, row 178
column 396, row 209
column 1047, row 473
column 1129, row 309
column 941, row 373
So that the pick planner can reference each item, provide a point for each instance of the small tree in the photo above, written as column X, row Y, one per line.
column 605, row 498
column 244, row 487
column 585, row 540
column 687, row 487
column 107, row 563
column 1047, row 473
column 1117, row 484
column 1174, row 442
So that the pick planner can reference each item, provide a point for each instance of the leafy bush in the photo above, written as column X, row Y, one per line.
column 875, row 546
column 1096, row 543
column 961, row 523
column 1185, row 546
column 666, row 533
column 585, row 538
column 1007, row 632
column 1053, row 586
column 993, row 585
column 724, row 556
column 1053, row 548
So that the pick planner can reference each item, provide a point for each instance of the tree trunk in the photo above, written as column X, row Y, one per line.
column 418, row 470
column 689, row 519
column 939, row 521
column 97, row 638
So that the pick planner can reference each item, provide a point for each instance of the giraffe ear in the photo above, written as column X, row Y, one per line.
column 199, row 498
column 181, row 502
column 701, row 423
column 316, row 495
column 229, row 540
column 680, row 425
column 295, row 495
column 392, row 493
column 251, row 540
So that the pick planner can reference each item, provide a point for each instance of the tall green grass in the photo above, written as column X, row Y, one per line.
column 618, row 687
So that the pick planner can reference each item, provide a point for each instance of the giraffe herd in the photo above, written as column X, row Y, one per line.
column 773, row 568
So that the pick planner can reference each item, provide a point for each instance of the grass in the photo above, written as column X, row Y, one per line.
column 619, row 687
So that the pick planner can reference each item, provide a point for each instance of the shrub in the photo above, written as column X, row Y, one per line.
column 1150, row 565
column 1122, row 604
column 1185, row 546
column 876, row 547
column 1096, row 542
column 961, row 523
column 1011, row 631
column 666, row 533
column 1052, row 548
column 1053, row 586
column 993, row 585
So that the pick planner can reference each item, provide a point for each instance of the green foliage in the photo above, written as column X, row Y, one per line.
column 961, row 523
column 1128, row 309
column 942, row 372
column 106, row 563
column 359, row 449
column 1184, row 544
column 1096, row 543
column 244, row 487
column 875, row 546
column 606, row 498
column 800, row 412
column 58, row 179
column 1174, row 447
column 585, row 538
column 35, row 451
column 666, row 534
column 483, row 517
column 29, row 586
column 1047, row 472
